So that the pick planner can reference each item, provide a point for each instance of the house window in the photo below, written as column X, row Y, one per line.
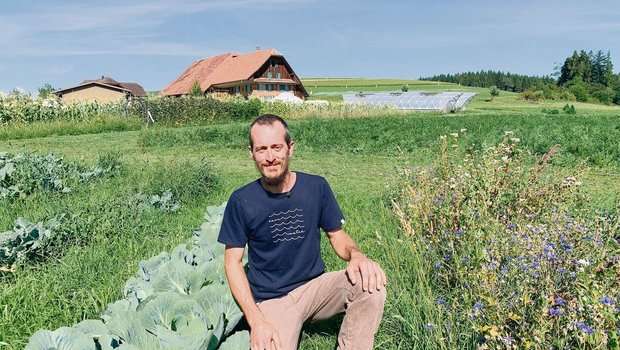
column 278, row 75
column 282, row 87
column 259, row 86
column 269, row 75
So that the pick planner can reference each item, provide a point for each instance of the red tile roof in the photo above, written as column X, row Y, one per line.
column 225, row 68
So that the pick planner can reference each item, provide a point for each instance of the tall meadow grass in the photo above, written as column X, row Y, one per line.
column 513, row 259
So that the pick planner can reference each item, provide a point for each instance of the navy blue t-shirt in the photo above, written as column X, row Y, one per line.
column 282, row 232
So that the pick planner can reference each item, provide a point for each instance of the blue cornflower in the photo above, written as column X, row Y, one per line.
column 440, row 301
column 430, row 326
column 448, row 326
column 606, row 301
column 437, row 264
column 585, row 327
column 447, row 256
column 465, row 260
column 559, row 301
column 556, row 311
column 512, row 226
column 478, row 305
column 458, row 232
column 561, row 271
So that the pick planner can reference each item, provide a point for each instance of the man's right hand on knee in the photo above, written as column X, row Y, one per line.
column 263, row 336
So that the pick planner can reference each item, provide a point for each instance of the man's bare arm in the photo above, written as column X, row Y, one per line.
column 373, row 276
column 262, row 334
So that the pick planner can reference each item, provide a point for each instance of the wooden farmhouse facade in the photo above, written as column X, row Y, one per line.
column 101, row 90
column 264, row 73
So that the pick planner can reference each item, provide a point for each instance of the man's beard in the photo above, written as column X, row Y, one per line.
column 275, row 181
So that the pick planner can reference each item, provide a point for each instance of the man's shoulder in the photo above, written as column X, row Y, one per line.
column 311, row 178
column 247, row 190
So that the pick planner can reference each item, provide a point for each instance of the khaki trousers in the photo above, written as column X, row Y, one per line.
column 321, row 298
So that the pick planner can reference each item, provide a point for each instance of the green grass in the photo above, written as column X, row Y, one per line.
column 360, row 157
column 66, row 127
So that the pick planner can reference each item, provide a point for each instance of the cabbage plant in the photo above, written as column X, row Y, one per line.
column 177, row 300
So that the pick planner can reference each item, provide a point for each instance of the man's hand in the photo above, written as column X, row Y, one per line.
column 372, row 275
column 263, row 336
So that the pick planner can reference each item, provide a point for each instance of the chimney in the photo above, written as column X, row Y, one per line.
column 257, row 48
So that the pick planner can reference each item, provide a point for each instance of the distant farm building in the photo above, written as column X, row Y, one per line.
column 263, row 73
column 414, row 101
column 104, row 90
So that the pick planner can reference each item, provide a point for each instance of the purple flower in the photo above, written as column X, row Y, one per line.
column 507, row 340
column 478, row 305
column 561, row 271
column 458, row 232
column 448, row 326
column 559, row 301
column 440, row 301
column 447, row 256
column 512, row 226
column 585, row 327
column 465, row 260
column 606, row 301
column 430, row 326
column 556, row 311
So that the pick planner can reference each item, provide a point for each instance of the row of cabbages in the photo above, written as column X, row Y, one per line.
column 179, row 301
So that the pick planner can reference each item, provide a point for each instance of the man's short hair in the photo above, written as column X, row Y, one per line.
column 270, row 119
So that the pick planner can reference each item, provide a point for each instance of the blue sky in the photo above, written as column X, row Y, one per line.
column 151, row 42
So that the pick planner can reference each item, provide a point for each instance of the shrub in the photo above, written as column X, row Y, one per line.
column 567, row 96
column 494, row 91
column 580, row 90
column 514, row 260
column 569, row 109
column 533, row 96
column 198, row 110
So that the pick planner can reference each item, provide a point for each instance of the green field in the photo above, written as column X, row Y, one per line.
column 363, row 158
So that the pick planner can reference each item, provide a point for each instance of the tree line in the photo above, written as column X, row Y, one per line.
column 489, row 78
column 584, row 76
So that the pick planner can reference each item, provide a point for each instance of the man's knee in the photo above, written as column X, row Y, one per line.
column 374, row 299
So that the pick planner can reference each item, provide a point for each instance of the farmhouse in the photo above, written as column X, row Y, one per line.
column 263, row 73
column 105, row 89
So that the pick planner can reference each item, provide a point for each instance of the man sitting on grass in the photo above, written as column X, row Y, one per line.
column 279, row 217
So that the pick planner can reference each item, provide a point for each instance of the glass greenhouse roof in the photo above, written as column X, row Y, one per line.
column 419, row 101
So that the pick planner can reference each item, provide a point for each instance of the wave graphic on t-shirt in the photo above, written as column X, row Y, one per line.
column 285, row 212
column 286, row 223
column 296, row 232
column 286, row 227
